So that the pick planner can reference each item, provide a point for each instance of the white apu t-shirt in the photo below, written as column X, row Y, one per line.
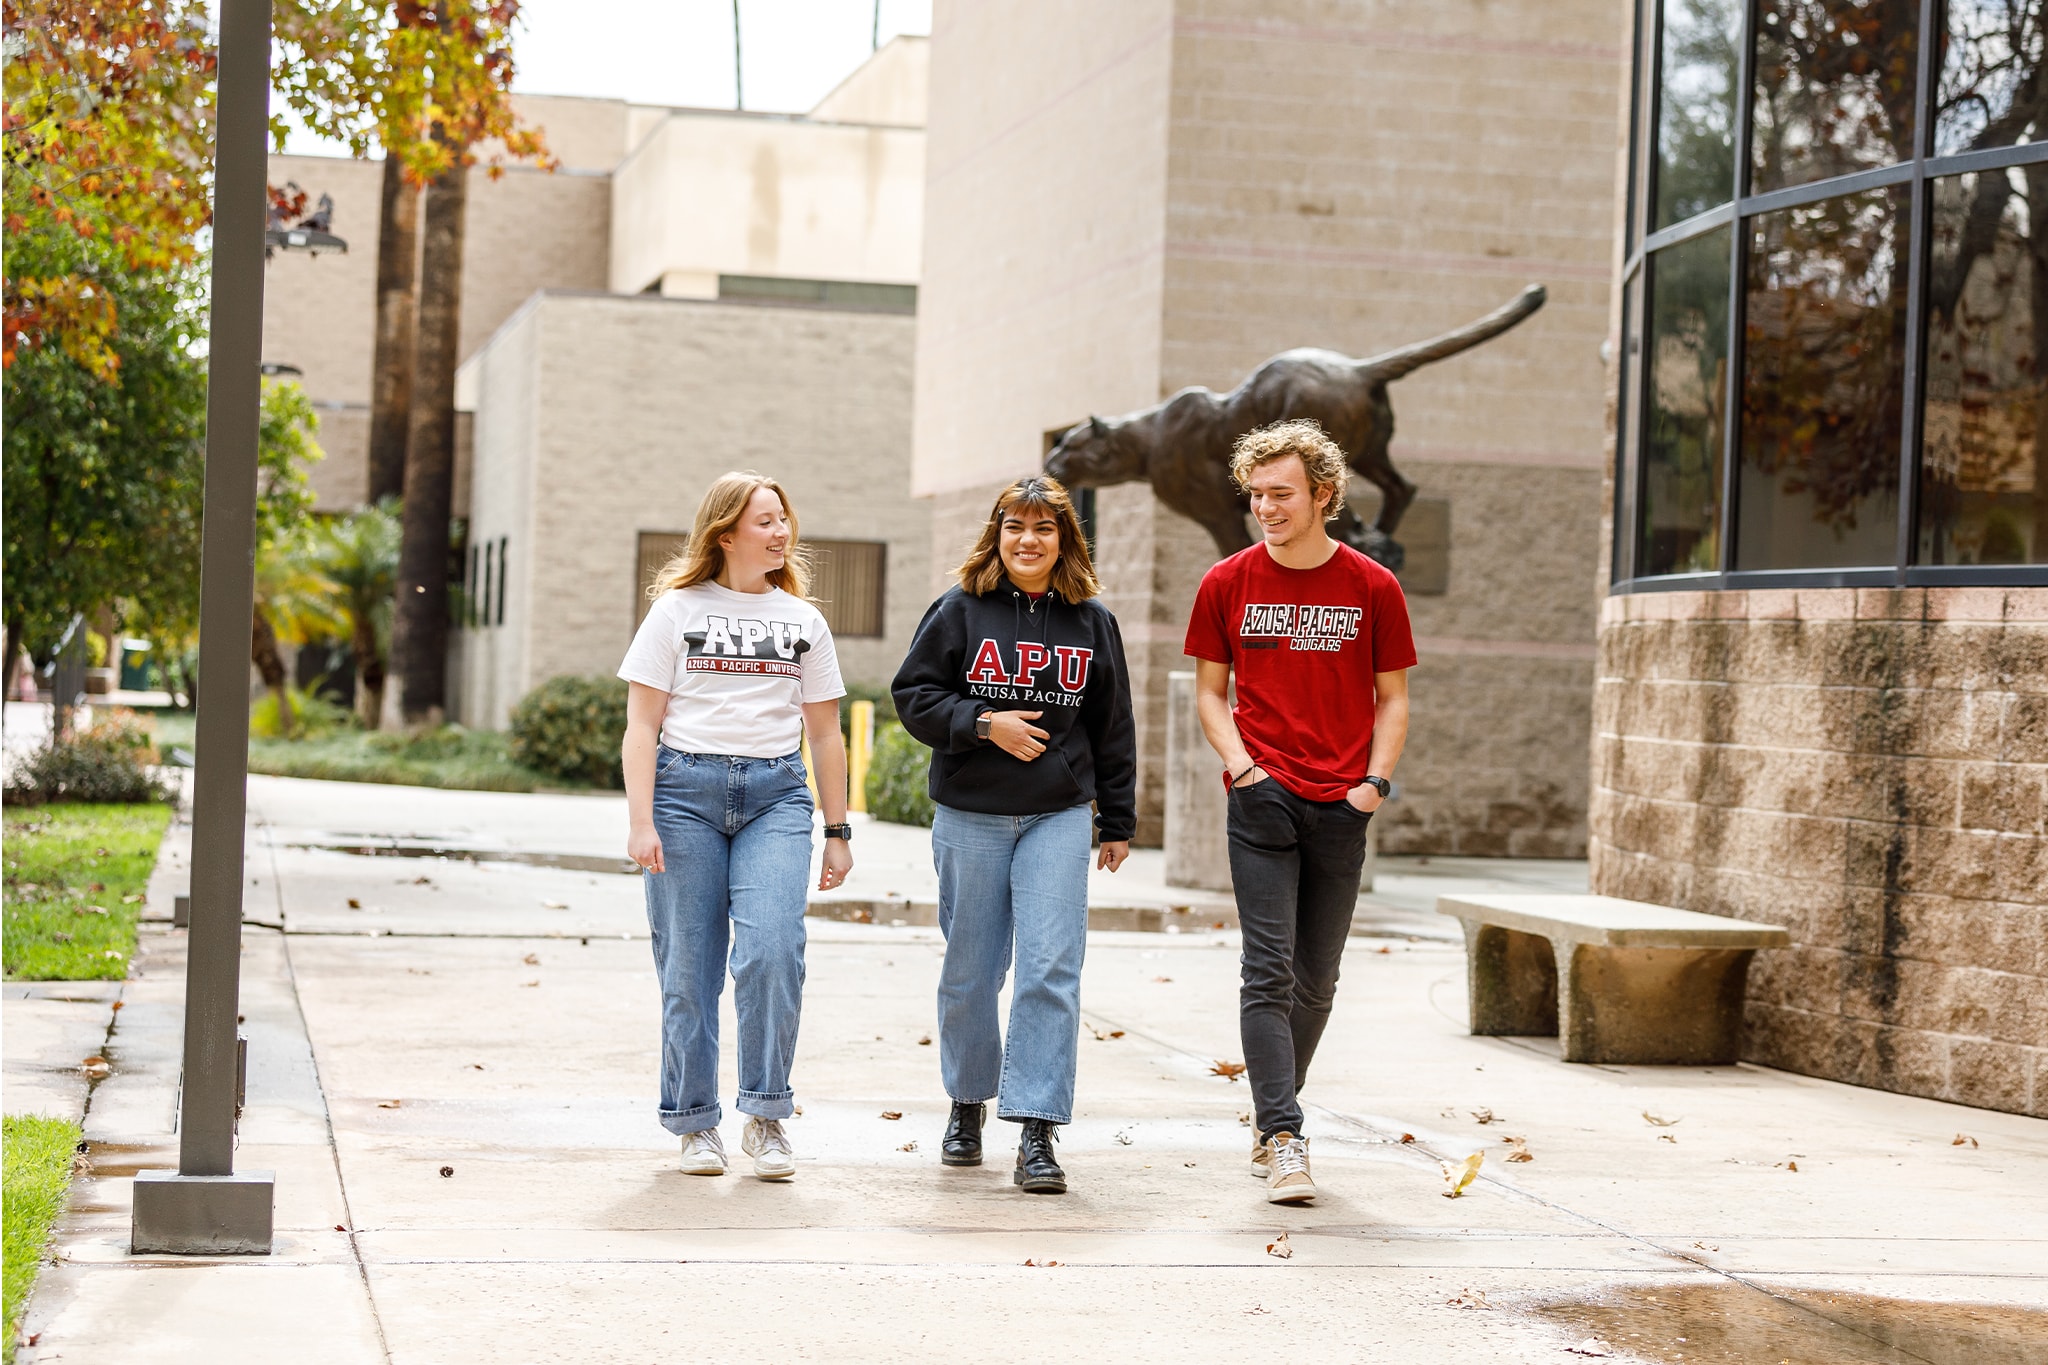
column 737, row 666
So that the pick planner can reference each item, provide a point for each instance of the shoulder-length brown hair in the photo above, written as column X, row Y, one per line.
column 1073, row 574
column 703, row 559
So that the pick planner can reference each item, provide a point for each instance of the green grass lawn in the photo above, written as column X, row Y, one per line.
column 470, row 760
column 74, row 876
column 35, row 1169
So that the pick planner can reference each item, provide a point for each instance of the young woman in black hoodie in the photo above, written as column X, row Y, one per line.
column 1017, row 681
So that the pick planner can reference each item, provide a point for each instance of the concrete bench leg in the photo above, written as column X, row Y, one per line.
column 1511, row 979
column 1652, row 1006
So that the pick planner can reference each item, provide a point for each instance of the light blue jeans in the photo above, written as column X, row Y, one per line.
column 1012, row 885
column 736, row 843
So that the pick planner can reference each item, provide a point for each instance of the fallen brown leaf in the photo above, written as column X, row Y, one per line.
column 1788, row 1165
column 799, row 1110
column 1407, row 1137
column 354, row 904
column 1666, row 1137
column 1162, row 980
column 1187, row 1163
column 1518, row 1149
column 529, row 983
column 95, row 1068
column 1470, row 1298
column 1658, row 1119
column 554, row 905
column 1245, row 1119
column 1228, row 1070
column 1483, row 1116
column 1278, row 1246
column 1042, row 1265
column 892, row 1114
column 909, row 1146
column 925, row 1041
column 476, row 1066
column 389, row 1104
column 531, row 959
column 1592, row 1346
column 339, row 1228
column 447, row 1172
column 1964, row 1140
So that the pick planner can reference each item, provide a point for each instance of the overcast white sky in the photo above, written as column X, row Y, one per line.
column 680, row 51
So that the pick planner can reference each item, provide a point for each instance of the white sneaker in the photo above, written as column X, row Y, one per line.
column 703, row 1153
column 1290, row 1182
column 1262, row 1156
column 765, row 1141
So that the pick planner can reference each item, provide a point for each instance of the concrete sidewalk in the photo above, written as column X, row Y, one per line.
column 454, row 1077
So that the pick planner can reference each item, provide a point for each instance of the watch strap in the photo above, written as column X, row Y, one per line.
column 844, row 831
column 982, row 723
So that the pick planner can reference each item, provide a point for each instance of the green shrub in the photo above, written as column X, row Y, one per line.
column 898, row 778
column 316, row 715
column 571, row 728
column 103, row 768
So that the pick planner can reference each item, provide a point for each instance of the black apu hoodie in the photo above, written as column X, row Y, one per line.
column 1005, row 652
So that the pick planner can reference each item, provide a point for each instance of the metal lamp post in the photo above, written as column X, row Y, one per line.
column 205, row 1206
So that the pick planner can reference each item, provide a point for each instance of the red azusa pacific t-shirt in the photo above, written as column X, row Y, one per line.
column 1304, row 644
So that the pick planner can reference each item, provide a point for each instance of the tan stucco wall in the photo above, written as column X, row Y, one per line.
column 1045, row 207
column 1869, row 769
column 1124, row 202
column 709, row 193
column 603, row 416
column 892, row 87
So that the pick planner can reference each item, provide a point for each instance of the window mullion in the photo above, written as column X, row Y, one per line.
column 1731, row 420
column 1911, row 398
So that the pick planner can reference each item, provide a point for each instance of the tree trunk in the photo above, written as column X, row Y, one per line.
column 397, row 271
column 419, row 632
column 13, row 655
column 369, row 672
column 263, row 653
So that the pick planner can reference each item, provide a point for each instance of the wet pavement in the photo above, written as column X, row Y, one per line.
column 451, row 1071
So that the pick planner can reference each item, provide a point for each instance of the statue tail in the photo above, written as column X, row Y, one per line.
column 1394, row 364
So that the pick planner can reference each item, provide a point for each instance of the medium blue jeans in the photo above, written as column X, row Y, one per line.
column 1012, row 885
column 736, row 842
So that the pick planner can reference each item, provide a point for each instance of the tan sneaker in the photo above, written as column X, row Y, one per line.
column 765, row 1141
column 703, row 1153
column 1290, row 1182
column 1262, row 1155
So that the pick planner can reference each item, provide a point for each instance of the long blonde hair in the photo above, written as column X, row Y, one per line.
column 1073, row 574
column 703, row 559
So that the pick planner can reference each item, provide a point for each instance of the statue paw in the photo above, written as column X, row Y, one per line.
column 1378, row 545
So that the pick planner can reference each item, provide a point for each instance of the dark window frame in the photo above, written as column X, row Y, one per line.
column 1920, row 171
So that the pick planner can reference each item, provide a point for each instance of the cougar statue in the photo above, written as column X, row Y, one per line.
column 1182, row 446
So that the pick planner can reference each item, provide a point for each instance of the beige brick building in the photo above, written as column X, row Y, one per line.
column 1835, row 725
column 594, row 403
column 1124, row 200
column 592, row 449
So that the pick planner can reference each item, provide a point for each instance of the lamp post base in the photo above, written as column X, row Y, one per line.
column 202, row 1215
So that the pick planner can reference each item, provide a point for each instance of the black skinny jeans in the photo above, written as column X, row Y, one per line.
column 1295, row 864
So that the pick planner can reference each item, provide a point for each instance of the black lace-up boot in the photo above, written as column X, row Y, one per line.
column 962, row 1143
column 1037, row 1172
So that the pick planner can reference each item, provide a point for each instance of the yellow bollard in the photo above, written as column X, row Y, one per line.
column 858, row 754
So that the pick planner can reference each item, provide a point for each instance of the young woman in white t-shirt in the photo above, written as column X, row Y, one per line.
column 730, row 668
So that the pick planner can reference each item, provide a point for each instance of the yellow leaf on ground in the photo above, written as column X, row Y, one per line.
column 1462, row 1174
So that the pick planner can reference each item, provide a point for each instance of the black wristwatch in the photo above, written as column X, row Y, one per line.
column 839, row 832
column 1380, row 785
column 982, row 722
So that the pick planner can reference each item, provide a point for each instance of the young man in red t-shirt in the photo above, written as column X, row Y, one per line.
column 1318, row 637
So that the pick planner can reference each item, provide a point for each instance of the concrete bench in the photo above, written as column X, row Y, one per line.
column 1614, row 980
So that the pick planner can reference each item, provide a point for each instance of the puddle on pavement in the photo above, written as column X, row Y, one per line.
column 897, row 912
column 572, row 862
column 1731, row 1324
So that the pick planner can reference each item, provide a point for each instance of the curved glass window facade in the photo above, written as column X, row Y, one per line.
column 1830, row 374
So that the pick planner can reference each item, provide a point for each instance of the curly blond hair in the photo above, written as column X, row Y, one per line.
column 1320, row 456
